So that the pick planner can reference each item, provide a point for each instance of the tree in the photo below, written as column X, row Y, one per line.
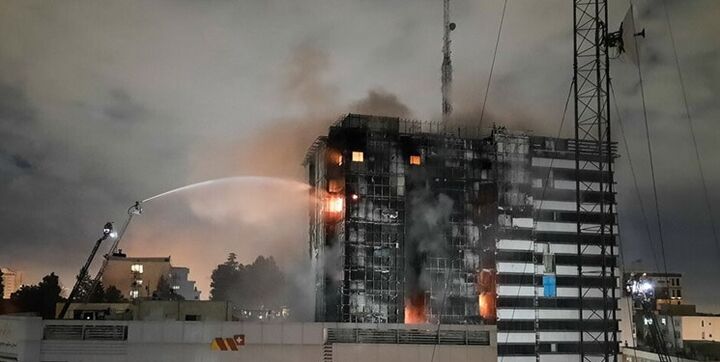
column 114, row 295
column 224, row 277
column 41, row 299
column 165, row 292
column 257, row 285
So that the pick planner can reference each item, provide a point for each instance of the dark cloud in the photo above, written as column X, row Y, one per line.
column 21, row 162
column 380, row 102
column 108, row 102
column 14, row 105
column 122, row 108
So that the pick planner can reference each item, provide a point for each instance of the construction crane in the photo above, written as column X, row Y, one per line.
column 642, row 291
column 107, row 232
column 446, row 67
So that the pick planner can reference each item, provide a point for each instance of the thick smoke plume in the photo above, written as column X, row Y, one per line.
column 257, row 218
column 428, row 225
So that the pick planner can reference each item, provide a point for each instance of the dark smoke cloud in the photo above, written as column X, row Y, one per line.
column 217, row 89
column 380, row 102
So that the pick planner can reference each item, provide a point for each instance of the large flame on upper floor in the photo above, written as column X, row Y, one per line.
column 415, row 312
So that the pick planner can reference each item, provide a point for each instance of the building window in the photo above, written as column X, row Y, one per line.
column 335, row 204
column 134, row 294
column 192, row 317
column 358, row 156
column 139, row 282
column 415, row 160
column 137, row 268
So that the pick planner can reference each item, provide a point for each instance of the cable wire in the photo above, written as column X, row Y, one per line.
column 642, row 208
column 646, row 221
column 652, row 170
column 492, row 65
column 692, row 128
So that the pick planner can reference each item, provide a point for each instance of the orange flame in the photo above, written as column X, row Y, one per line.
column 415, row 309
column 487, row 296
column 335, row 204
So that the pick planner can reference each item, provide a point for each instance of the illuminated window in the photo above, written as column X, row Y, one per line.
column 415, row 160
column 139, row 282
column 176, row 287
column 137, row 268
column 335, row 204
column 358, row 156
column 134, row 294
column 339, row 160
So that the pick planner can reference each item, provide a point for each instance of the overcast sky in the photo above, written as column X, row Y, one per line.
column 106, row 102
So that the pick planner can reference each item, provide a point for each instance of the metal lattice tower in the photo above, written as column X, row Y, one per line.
column 446, row 68
column 594, row 194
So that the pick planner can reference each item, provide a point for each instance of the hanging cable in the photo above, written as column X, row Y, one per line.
column 646, row 221
column 642, row 209
column 652, row 169
column 492, row 65
column 692, row 129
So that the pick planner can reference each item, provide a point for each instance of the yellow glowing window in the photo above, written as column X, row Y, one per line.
column 415, row 160
column 357, row 156
column 335, row 204
column 339, row 160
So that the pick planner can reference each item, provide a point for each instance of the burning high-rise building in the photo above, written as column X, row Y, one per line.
column 423, row 222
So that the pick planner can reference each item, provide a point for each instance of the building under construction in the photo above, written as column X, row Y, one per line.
column 418, row 222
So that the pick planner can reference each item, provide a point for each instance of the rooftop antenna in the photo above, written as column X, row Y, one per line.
column 446, row 63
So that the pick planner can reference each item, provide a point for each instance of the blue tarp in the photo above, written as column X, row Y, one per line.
column 549, row 286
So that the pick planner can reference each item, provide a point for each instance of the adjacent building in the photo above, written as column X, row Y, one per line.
column 139, row 277
column 11, row 280
column 153, row 310
column 31, row 339
column 423, row 222
column 181, row 285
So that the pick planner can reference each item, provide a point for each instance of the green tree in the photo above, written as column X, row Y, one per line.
column 41, row 298
column 114, row 295
column 256, row 285
column 224, row 278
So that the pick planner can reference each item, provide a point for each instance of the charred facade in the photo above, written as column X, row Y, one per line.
column 420, row 222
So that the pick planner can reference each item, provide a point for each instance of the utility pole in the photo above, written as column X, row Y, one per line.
column 594, row 194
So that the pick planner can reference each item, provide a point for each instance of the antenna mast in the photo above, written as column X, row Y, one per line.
column 446, row 63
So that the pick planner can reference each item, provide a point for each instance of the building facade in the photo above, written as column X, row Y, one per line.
column 31, row 339
column 11, row 280
column 138, row 277
column 419, row 222
column 181, row 285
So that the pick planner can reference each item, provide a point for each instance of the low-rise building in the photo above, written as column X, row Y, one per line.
column 138, row 277
column 32, row 339
column 181, row 285
column 152, row 310
column 11, row 280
